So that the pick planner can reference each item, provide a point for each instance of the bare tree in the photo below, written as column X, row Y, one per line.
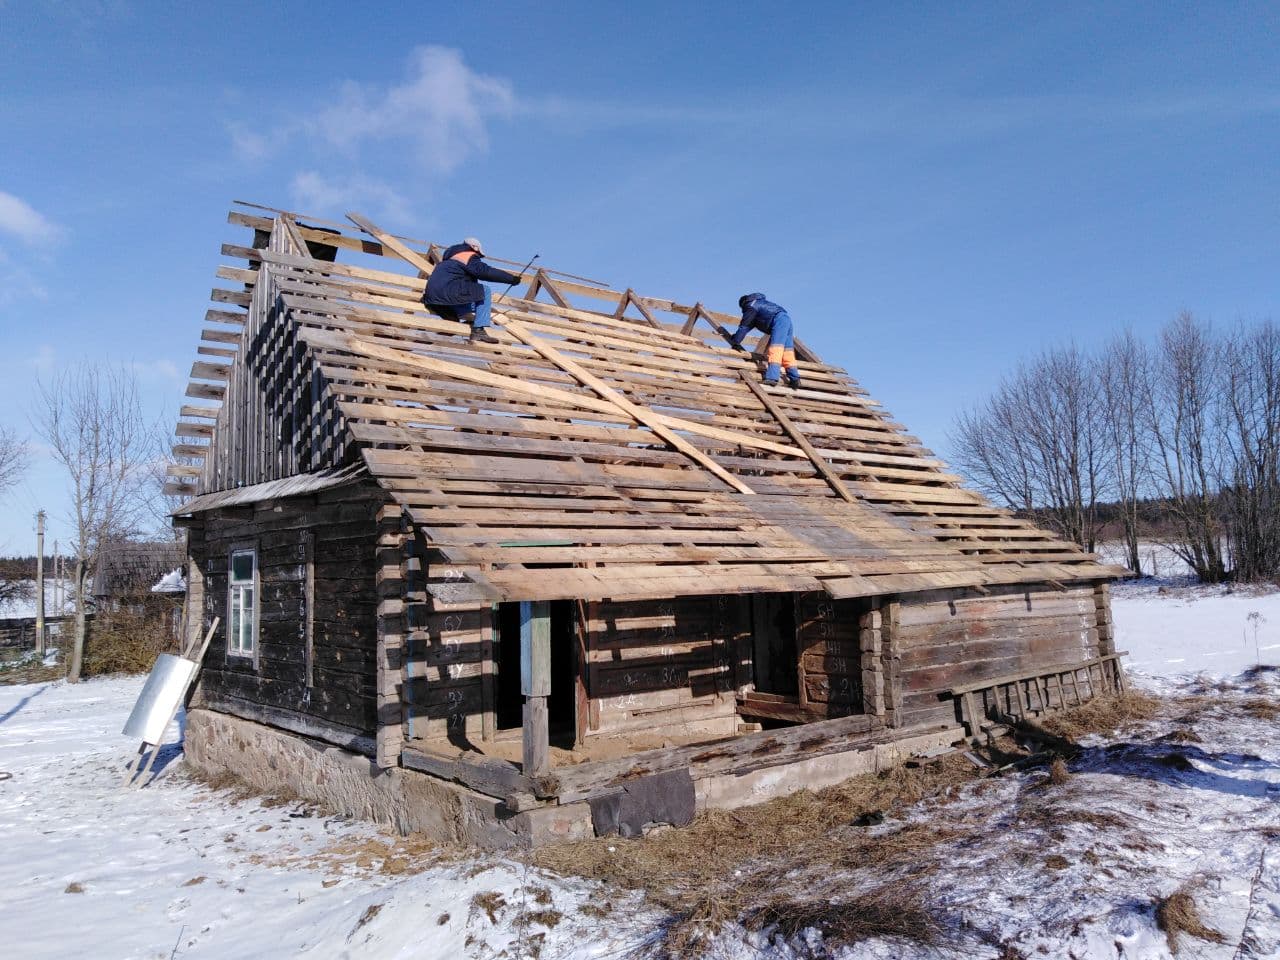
column 989, row 446
column 91, row 418
column 1037, row 443
column 159, row 504
column 1125, row 375
column 1183, row 411
column 1251, row 482
column 13, row 460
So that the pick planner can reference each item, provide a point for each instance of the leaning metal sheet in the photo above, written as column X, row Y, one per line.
column 159, row 699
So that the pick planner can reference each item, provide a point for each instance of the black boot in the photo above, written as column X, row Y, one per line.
column 482, row 335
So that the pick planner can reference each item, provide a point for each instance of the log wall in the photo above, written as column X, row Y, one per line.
column 315, row 665
column 829, row 643
column 944, row 639
column 666, row 663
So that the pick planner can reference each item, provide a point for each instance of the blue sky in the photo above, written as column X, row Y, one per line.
column 933, row 190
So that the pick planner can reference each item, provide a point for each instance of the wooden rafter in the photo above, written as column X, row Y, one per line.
column 485, row 446
column 638, row 413
column 800, row 440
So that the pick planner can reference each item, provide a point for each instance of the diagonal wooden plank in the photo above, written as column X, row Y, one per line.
column 800, row 439
column 660, row 425
column 640, row 414
column 460, row 371
column 412, row 257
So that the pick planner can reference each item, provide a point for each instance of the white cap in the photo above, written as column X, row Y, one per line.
column 474, row 244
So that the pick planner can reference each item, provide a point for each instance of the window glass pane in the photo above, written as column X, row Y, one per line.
column 242, row 567
column 246, row 640
column 236, row 613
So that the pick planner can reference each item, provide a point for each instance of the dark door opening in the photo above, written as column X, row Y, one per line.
column 773, row 631
column 561, row 704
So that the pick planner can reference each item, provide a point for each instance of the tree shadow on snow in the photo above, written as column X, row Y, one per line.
column 1188, row 767
column 17, row 707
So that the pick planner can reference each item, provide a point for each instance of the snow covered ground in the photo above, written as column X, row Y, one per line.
column 1171, row 630
column 180, row 870
column 57, row 602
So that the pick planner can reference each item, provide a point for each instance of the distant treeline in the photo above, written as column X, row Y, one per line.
column 24, row 568
column 1177, row 440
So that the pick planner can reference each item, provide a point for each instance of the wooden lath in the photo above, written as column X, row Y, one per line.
column 587, row 379
column 637, row 413
column 647, row 456
column 801, row 441
column 1020, row 696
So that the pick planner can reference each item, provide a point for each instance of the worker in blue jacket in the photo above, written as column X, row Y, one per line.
column 767, row 317
column 454, row 288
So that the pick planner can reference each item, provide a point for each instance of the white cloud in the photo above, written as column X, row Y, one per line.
column 441, row 110
column 18, row 282
column 313, row 190
column 155, row 370
column 250, row 146
column 44, row 361
column 415, row 132
column 19, row 218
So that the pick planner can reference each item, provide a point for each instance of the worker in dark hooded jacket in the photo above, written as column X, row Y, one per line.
column 771, row 319
column 454, row 288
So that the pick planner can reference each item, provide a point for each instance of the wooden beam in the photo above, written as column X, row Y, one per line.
column 412, row 257
column 535, row 684
column 799, row 439
column 694, row 315
column 491, row 776
column 461, row 371
column 638, row 413
column 551, row 289
column 521, row 333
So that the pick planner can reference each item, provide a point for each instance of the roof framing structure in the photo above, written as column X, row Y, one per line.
column 610, row 445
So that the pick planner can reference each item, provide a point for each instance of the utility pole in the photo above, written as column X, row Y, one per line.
column 57, row 583
column 40, row 584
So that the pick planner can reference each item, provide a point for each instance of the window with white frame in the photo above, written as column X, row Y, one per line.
column 242, row 626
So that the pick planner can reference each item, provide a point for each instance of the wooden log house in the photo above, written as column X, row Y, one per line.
column 596, row 553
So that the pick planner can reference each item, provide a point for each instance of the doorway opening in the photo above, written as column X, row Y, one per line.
column 773, row 633
column 561, row 704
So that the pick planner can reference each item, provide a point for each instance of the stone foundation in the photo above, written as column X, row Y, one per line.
column 278, row 762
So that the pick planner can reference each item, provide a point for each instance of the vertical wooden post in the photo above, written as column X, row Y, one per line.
column 535, row 684
column 872, row 667
column 889, row 655
column 198, row 603
column 1102, row 607
column 488, row 671
column 391, row 671
column 308, row 544
column 40, row 583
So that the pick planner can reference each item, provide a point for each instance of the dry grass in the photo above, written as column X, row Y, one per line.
column 1177, row 914
column 891, row 912
column 1104, row 715
column 33, row 673
column 720, row 841
column 488, row 903
column 123, row 641
column 751, row 864
column 221, row 782
column 370, row 912
column 540, row 895
column 544, row 918
column 1058, row 772
column 1260, row 708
